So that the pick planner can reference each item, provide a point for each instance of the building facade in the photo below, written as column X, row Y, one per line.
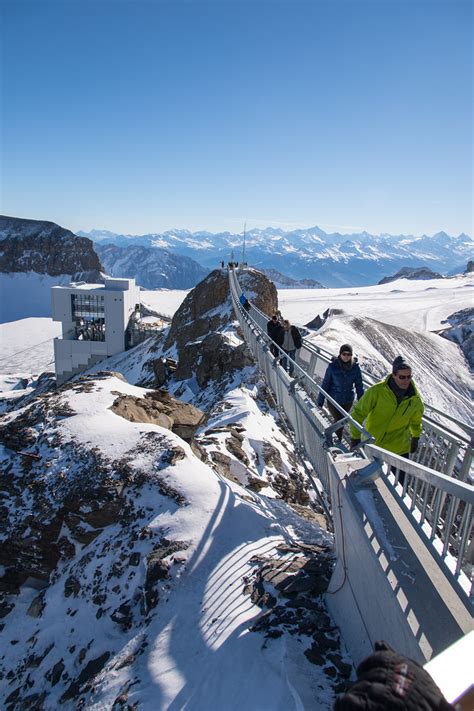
column 95, row 320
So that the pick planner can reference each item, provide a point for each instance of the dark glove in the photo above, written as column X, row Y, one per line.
column 388, row 680
column 354, row 443
column 414, row 444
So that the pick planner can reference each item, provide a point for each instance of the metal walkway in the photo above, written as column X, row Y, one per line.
column 437, row 496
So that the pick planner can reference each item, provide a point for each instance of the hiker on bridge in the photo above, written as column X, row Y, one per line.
column 276, row 333
column 392, row 411
column 292, row 341
column 245, row 302
column 342, row 376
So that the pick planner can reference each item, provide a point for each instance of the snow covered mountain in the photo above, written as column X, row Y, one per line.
column 34, row 256
column 157, row 556
column 151, row 267
column 332, row 259
column 44, row 248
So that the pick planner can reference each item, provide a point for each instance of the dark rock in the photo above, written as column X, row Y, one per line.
column 45, row 248
column 314, row 655
column 235, row 448
column 90, row 670
column 123, row 616
column 134, row 559
column 37, row 606
column 160, row 371
column 55, row 673
column 72, row 586
column 343, row 668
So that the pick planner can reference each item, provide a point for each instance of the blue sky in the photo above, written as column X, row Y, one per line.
column 144, row 116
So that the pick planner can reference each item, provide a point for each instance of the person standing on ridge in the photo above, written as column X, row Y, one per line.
column 392, row 411
column 292, row 341
column 341, row 377
column 275, row 332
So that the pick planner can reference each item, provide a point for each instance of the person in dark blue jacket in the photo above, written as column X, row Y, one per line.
column 341, row 377
column 244, row 301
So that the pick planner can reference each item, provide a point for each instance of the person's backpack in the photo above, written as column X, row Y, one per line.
column 296, row 337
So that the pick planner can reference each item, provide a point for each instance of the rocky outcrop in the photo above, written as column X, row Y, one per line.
column 289, row 586
column 461, row 331
column 160, row 408
column 319, row 321
column 198, row 328
column 412, row 273
column 44, row 248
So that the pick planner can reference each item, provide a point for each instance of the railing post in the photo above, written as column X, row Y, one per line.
column 466, row 463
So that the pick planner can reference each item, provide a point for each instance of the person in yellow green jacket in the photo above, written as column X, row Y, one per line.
column 391, row 411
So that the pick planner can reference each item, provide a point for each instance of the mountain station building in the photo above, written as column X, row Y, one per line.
column 96, row 321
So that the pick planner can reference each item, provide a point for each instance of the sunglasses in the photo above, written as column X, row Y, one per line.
column 403, row 377
column 346, row 353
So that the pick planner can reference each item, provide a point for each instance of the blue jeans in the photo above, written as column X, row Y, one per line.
column 285, row 362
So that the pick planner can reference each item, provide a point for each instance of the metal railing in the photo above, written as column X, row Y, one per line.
column 441, row 447
column 439, row 504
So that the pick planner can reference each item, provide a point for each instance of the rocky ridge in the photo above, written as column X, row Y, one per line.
column 45, row 248
column 201, row 336
column 151, row 267
column 412, row 273
column 92, row 469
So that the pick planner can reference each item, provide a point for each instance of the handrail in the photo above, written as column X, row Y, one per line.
column 446, row 450
column 440, row 506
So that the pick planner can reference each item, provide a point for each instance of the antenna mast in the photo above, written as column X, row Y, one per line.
column 243, row 248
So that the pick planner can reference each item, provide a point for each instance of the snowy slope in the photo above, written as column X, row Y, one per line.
column 414, row 305
column 439, row 368
column 25, row 294
column 172, row 587
column 163, row 301
column 26, row 346
column 186, row 639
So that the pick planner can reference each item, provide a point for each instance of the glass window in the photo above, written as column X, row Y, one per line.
column 88, row 313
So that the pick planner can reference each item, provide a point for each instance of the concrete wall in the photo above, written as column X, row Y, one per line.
column 61, row 307
column 121, row 296
column 71, row 355
column 381, row 589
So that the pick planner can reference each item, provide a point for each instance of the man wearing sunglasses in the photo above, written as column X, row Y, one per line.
column 392, row 412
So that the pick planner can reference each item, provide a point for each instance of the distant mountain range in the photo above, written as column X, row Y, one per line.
column 151, row 267
column 42, row 247
column 331, row 259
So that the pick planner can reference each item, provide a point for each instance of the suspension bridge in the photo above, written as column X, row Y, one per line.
column 404, row 551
